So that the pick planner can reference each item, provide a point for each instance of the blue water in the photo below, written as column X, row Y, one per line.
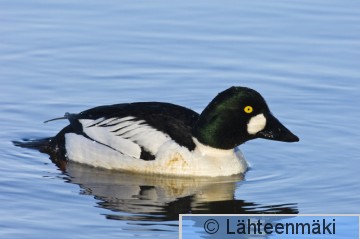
column 65, row 56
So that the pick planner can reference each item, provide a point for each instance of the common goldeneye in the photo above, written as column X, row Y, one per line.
column 163, row 138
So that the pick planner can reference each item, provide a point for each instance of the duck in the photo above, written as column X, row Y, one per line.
column 168, row 139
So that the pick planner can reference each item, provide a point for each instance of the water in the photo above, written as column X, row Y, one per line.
column 65, row 56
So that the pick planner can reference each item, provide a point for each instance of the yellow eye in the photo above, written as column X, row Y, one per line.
column 248, row 109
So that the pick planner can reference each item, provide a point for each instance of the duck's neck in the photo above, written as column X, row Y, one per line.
column 219, row 131
column 210, row 151
column 220, row 125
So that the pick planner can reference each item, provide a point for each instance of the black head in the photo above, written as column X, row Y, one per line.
column 236, row 115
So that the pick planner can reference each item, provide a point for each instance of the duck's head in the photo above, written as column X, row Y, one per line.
column 237, row 115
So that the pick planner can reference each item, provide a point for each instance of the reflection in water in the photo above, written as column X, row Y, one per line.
column 161, row 198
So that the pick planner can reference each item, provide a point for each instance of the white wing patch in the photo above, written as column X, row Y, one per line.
column 126, row 135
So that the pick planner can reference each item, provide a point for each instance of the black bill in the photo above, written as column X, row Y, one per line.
column 274, row 130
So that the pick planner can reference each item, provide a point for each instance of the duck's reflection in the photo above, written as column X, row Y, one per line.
column 162, row 198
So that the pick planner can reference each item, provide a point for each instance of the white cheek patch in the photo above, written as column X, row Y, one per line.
column 256, row 124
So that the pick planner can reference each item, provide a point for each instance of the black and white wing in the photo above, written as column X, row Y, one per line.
column 127, row 135
column 137, row 130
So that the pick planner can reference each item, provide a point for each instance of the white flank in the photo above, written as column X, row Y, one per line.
column 172, row 159
column 126, row 137
column 83, row 150
column 256, row 124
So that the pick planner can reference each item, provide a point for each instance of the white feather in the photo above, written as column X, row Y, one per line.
column 256, row 124
column 83, row 150
column 125, row 126
column 106, row 137
column 94, row 122
column 171, row 159
column 150, row 138
column 119, row 120
column 126, row 135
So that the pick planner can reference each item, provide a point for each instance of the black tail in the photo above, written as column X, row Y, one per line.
column 43, row 145
column 46, row 145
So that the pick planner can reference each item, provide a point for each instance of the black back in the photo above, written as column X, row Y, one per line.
column 174, row 120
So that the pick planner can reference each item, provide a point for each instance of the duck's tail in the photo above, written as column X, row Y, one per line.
column 53, row 146
column 48, row 146
column 43, row 145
